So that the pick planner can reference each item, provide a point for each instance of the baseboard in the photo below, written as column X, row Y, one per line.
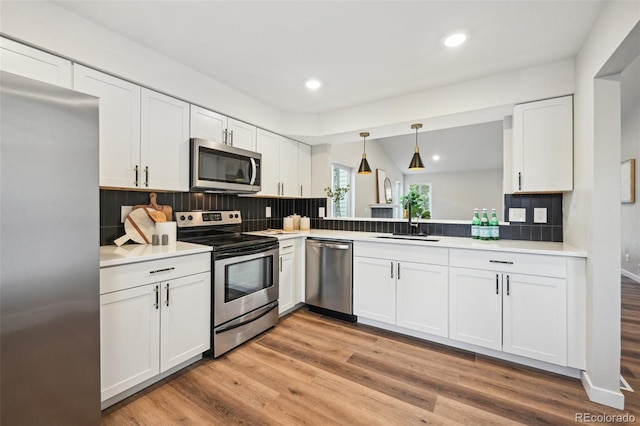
column 602, row 396
column 630, row 275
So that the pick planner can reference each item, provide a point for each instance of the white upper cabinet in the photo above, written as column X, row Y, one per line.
column 164, row 142
column 119, row 115
column 543, row 146
column 304, row 169
column 280, row 165
column 32, row 63
column 241, row 135
column 268, row 144
column 209, row 125
column 144, row 135
column 289, row 167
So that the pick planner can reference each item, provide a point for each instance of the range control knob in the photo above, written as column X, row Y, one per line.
column 231, row 216
column 190, row 217
column 182, row 217
column 236, row 216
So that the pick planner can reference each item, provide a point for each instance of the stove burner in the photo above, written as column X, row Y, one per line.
column 221, row 230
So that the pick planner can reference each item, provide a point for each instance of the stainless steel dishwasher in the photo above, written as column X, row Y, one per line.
column 329, row 278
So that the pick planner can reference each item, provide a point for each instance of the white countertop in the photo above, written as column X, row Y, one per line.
column 131, row 253
column 516, row 246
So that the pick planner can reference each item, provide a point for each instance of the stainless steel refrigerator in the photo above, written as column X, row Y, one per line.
column 49, row 255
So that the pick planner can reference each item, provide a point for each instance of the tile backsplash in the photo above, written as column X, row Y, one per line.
column 254, row 214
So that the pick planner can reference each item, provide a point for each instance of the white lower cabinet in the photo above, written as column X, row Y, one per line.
column 502, row 309
column 291, row 267
column 286, row 296
column 407, row 293
column 374, row 289
column 422, row 292
column 129, row 339
column 149, row 328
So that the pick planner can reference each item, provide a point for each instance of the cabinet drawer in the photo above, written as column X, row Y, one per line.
column 407, row 253
column 135, row 274
column 521, row 263
column 287, row 246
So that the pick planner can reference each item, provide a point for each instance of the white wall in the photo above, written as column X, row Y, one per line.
column 364, row 190
column 455, row 195
column 595, row 198
column 630, row 148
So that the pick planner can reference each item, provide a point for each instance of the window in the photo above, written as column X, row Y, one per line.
column 341, row 177
column 420, row 196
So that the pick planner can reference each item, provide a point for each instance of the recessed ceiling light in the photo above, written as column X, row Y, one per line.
column 455, row 40
column 313, row 84
column 436, row 157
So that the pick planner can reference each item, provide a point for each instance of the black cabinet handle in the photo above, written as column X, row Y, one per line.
column 497, row 285
column 391, row 269
column 398, row 270
column 507, row 285
column 157, row 304
column 136, row 170
column 520, row 181
column 167, row 294
column 501, row 261
column 146, row 176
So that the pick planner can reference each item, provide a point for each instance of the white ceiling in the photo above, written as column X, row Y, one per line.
column 464, row 148
column 362, row 51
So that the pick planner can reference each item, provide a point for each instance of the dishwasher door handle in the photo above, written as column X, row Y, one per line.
column 331, row 246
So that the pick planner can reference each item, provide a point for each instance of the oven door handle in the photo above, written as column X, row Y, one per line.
column 248, row 318
column 253, row 171
column 222, row 256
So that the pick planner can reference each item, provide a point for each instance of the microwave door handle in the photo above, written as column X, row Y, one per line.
column 253, row 171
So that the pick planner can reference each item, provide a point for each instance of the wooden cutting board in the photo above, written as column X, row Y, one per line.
column 138, row 226
column 166, row 210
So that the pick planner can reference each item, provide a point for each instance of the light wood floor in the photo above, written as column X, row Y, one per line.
column 318, row 371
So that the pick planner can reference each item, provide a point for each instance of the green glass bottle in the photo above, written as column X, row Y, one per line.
column 484, row 226
column 494, row 225
column 475, row 225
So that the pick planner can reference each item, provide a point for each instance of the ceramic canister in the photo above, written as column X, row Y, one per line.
column 296, row 221
column 305, row 223
column 287, row 223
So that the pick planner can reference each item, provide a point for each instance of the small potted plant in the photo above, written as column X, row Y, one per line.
column 337, row 195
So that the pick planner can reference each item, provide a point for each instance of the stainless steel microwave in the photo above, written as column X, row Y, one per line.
column 216, row 167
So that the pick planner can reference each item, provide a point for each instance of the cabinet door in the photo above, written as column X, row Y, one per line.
column 289, row 167
column 304, row 169
column 543, row 146
column 119, row 125
column 129, row 338
column 475, row 307
column 185, row 319
column 535, row 317
column 286, row 294
column 422, row 292
column 164, row 142
column 32, row 63
column 207, row 124
column 374, row 289
column 268, row 144
column 241, row 134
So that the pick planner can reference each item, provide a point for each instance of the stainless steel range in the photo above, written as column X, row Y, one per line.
column 244, row 279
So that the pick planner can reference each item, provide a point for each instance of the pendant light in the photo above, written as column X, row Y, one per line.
column 364, row 168
column 416, row 161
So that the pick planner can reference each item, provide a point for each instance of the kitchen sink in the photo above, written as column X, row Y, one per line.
column 414, row 237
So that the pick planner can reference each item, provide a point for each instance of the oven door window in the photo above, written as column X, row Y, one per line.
column 218, row 166
column 247, row 277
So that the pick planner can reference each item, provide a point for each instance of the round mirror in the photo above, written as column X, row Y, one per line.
column 387, row 191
